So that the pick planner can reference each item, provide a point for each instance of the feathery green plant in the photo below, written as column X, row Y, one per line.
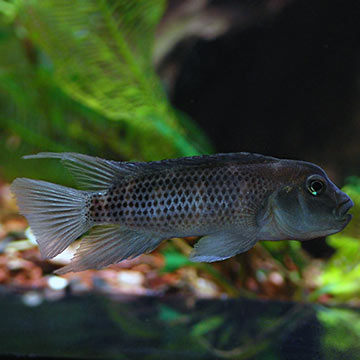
column 78, row 76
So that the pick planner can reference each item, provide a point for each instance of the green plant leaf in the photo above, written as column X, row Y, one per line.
column 341, row 275
column 207, row 325
column 101, row 53
column 174, row 260
column 341, row 331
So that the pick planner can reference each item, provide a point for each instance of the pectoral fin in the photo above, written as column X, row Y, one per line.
column 220, row 246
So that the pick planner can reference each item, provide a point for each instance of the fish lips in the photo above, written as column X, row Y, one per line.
column 341, row 210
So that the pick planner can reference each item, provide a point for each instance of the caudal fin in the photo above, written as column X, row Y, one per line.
column 57, row 214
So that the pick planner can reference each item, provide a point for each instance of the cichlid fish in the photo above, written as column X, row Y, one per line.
column 231, row 200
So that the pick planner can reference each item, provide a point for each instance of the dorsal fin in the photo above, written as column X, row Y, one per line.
column 240, row 158
column 94, row 173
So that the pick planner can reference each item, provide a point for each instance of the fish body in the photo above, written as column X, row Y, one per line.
column 231, row 200
column 184, row 200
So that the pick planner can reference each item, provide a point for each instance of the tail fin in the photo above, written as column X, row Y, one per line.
column 57, row 214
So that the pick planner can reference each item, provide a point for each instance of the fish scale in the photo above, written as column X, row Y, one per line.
column 183, row 201
column 126, row 209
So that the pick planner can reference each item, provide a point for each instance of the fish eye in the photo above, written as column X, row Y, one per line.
column 315, row 185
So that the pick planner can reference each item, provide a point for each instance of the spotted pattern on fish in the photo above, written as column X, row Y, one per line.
column 183, row 199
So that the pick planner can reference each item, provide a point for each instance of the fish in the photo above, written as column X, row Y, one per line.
column 231, row 201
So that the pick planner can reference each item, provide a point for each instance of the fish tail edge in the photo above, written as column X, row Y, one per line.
column 57, row 214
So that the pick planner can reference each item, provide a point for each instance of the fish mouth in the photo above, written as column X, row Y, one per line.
column 341, row 210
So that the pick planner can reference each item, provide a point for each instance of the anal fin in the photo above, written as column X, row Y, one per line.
column 221, row 246
column 109, row 244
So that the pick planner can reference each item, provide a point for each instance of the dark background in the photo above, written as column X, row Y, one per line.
column 286, row 84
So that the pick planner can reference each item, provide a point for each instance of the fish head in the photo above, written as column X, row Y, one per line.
column 309, row 204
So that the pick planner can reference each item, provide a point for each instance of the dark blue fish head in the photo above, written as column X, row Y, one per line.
column 307, row 204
